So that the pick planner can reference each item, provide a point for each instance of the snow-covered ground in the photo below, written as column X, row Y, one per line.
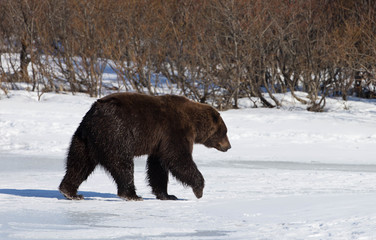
column 291, row 174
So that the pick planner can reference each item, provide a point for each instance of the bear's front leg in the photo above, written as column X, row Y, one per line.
column 199, row 184
column 158, row 178
column 70, row 191
column 198, row 191
column 130, row 196
column 186, row 171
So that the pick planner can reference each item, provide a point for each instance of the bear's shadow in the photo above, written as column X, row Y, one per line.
column 41, row 193
column 54, row 194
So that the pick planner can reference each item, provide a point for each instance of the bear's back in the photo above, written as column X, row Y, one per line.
column 137, row 101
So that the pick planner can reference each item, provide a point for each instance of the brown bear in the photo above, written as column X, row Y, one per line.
column 121, row 126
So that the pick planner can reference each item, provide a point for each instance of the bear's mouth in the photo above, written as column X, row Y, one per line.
column 223, row 148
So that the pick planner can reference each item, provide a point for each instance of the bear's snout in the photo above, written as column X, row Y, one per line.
column 224, row 145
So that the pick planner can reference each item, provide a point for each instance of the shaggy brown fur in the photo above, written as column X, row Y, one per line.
column 121, row 126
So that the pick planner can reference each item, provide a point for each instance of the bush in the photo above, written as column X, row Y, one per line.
column 214, row 51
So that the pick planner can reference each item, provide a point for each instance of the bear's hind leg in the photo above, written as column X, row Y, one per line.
column 122, row 170
column 79, row 167
column 158, row 178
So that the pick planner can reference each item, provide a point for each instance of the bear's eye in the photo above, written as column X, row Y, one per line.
column 222, row 131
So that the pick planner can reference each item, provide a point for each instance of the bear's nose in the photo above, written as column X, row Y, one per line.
column 227, row 147
column 224, row 147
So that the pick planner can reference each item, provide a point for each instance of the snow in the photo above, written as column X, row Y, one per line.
column 291, row 174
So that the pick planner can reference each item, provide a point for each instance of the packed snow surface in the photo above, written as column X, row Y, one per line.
column 291, row 174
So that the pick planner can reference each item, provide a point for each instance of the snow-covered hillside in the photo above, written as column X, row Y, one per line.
column 291, row 174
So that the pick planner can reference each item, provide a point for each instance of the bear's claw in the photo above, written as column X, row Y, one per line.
column 131, row 198
column 71, row 196
column 166, row 197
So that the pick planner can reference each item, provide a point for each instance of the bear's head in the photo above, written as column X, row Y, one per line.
column 218, row 139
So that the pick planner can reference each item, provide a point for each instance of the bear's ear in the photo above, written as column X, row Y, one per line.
column 111, row 100
column 215, row 116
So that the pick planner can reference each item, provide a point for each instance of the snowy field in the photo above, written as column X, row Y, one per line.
column 291, row 174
